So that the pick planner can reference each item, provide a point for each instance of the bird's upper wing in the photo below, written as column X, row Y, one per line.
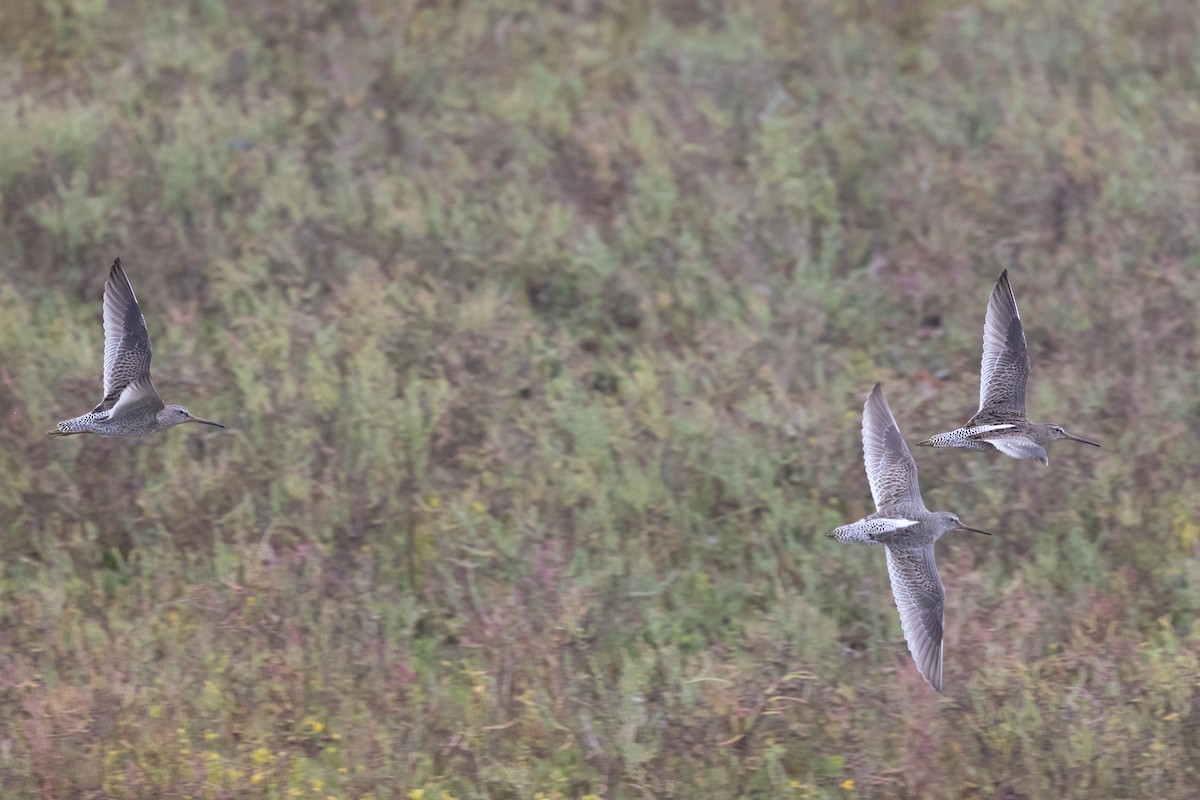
column 126, row 341
column 921, row 601
column 1005, row 367
column 891, row 470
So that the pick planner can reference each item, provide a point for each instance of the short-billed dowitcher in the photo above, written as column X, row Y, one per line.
column 131, row 405
column 1000, row 423
column 907, row 530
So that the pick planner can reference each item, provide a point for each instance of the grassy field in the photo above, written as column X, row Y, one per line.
column 542, row 331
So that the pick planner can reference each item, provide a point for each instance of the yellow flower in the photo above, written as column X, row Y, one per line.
column 262, row 756
column 416, row 794
column 848, row 785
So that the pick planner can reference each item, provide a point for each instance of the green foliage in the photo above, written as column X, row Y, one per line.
column 542, row 332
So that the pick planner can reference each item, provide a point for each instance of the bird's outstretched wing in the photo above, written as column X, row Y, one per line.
column 1005, row 367
column 891, row 470
column 126, row 342
column 921, row 601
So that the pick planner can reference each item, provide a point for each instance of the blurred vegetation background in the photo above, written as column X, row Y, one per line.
column 542, row 330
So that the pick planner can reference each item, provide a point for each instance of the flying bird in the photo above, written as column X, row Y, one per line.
column 907, row 530
column 1000, row 423
column 131, row 405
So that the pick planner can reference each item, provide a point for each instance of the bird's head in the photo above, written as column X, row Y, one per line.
column 950, row 522
column 1057, row 432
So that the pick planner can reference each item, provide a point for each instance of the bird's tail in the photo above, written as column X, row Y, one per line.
column 854, row 533
column 60, row 432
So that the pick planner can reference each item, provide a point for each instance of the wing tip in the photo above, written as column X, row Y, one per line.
column 886, row 419
column 931, row 668
column 117, row 271
column 1003, row 281
column 1003, row 292
column 876, row 397
column 118, row 276
column 118, row 291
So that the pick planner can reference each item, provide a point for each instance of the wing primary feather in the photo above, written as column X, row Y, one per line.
column 891, row 470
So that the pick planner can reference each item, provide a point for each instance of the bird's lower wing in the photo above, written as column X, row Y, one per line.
column 138, row 398
column 920, row 600
column 1021, row 448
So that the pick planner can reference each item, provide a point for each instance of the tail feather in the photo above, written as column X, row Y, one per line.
column 61, row 431
column 870, row 530
column 962, row 437
column 854, row 533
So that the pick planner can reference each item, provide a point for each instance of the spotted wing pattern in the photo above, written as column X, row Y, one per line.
column 126, row 343
column 1005, row 367
column 921, row 601
column 891, row 470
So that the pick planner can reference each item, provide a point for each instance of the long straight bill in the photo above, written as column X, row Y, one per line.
column 1081, row 439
